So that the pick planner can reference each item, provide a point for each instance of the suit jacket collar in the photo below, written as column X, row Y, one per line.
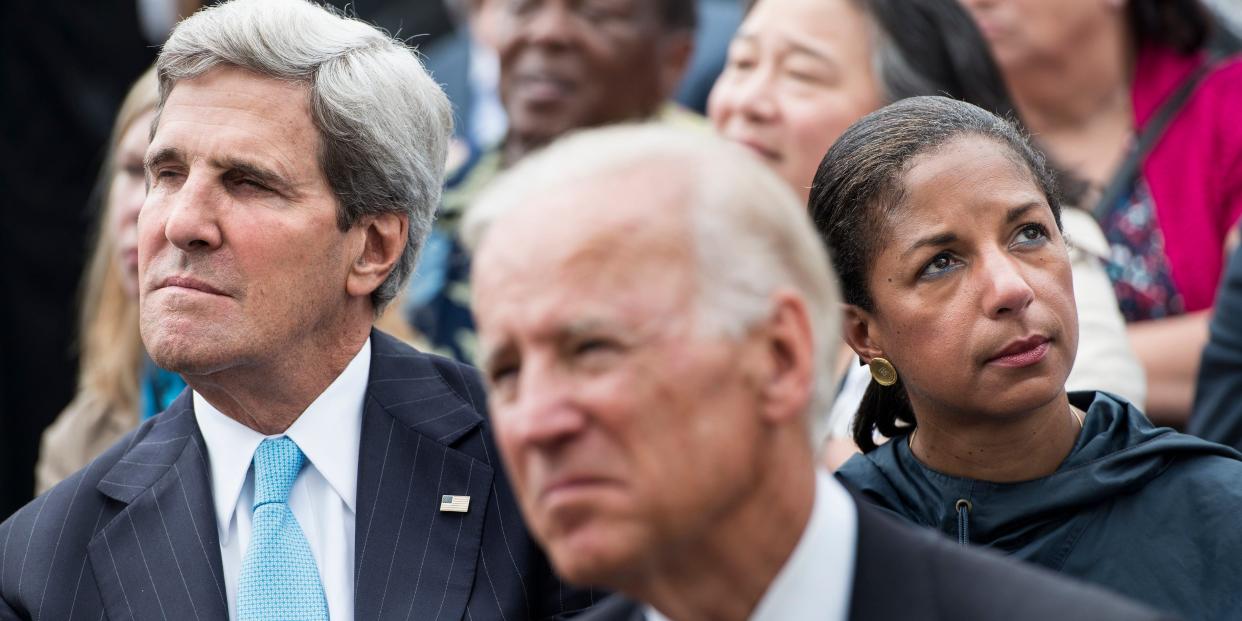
column 410, row 560
column 159, row 558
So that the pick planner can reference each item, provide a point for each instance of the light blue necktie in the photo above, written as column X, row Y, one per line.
column 279, row 578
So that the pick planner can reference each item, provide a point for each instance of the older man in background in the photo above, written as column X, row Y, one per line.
column 564, row 65
column 655, row 318
column 317, row 468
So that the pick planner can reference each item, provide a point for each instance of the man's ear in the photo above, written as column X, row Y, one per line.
column 383, row 241
column 788, row 341
column 677, row 49
column 861, row 332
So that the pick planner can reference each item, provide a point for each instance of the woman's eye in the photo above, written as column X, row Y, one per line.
column 740, row 62
column 1032, row 233
column 939, row 264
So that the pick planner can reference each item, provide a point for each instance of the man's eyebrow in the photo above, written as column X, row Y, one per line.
column 259, row 173
column 940, row 239
column 165, row 154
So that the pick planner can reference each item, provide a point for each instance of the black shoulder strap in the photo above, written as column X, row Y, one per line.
column 1127, row 172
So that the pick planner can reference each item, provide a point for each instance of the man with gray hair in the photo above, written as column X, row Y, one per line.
column 654, row 310
column 316, row 468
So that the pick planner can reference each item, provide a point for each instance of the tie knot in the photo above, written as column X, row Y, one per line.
column 277, row 462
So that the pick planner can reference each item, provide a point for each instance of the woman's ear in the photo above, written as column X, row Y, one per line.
column 861, row 332
column 383, row 240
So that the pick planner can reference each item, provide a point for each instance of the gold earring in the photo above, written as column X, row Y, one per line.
column 882, row 372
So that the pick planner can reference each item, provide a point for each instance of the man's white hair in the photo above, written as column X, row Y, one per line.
column 384, row 124
column 751, row 235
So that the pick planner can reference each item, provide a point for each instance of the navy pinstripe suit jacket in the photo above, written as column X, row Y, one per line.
column 133, row 535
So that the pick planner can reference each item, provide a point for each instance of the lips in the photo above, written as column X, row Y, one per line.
column 761, row 150
column 189, row 282
column 543, row 88
column 1022, row 352
column 570, row 486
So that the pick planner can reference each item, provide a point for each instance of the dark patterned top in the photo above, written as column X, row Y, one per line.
column 1137, row 264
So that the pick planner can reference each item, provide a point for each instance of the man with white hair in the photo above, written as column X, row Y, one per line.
column 316, row 468
column 656, row 315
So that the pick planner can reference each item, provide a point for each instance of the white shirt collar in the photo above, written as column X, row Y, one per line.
column 328, row 432
column 817, row 580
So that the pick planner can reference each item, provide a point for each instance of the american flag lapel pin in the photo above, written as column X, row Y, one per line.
column 455, row 504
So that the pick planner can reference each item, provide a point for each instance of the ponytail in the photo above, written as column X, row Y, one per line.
column 882, row 408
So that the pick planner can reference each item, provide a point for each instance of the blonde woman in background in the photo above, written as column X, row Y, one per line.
column 117, row 384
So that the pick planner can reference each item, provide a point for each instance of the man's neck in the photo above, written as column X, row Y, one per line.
column 724, row 574
column 268, row 397
column 1005, row 450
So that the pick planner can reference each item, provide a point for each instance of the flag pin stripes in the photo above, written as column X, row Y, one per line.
column 456, row 504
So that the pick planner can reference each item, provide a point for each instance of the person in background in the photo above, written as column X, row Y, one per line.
column 1134, row 97
column 564, row 65
column 801, row 71
column 466, row 66
column 118, row 385
column 654, row 312
column 945, row 231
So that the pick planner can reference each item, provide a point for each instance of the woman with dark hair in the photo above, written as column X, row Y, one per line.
column 1139, row 98
column 800, row 71
column 944, row 228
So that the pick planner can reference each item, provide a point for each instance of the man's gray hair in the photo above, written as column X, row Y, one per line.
column 751, row 235
column 384, row 124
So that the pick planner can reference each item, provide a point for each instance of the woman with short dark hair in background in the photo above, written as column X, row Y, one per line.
column 945, row 230
column 118, row 386
column 800, row 71
column 1140, row 98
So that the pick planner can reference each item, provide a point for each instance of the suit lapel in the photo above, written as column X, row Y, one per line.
column 159, row 558
column 413, row 561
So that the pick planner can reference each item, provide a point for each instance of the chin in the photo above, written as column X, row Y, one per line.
column 1028, row 394
column 598, row 557
column 185, row 351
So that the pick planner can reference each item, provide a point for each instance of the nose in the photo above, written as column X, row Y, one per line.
column 190, row 223
column 551, row 25
column 748, row 95
column 1005, row 288
column 543, row 412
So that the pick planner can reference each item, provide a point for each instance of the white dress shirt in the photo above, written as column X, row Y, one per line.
column 817, row 580
column 323, row 496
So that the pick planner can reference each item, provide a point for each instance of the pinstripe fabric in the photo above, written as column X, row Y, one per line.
column 133, row 536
